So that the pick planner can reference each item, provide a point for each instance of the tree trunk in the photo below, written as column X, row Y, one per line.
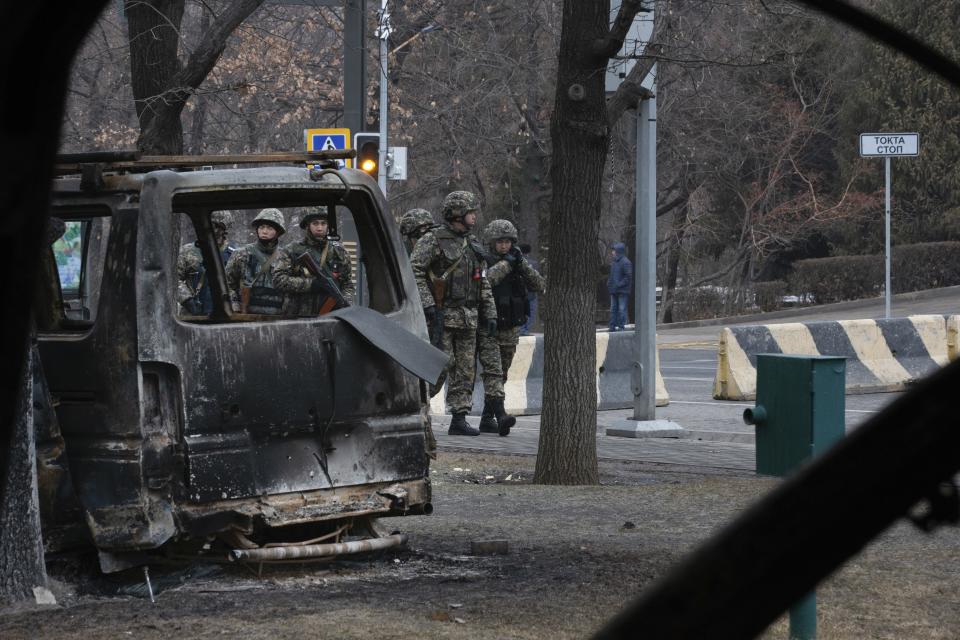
column 673, row 266
column 199, row 115
column 161, row 85
column 153, row 28
column 567, row 450
column 21, row 543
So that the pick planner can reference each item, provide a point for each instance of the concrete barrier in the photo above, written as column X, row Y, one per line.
column 882, row 355
column 616, row 353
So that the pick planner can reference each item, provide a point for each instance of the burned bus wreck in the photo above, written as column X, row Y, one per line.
column 223, row 430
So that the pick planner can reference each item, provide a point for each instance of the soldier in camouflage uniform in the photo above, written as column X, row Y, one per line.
column 414, row 224
column 452, row 255
column 511, row 277
column 304, row 291
column 250, row 268
column 193, row 292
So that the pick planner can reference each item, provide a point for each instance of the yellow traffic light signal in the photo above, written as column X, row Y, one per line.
column 368, row 152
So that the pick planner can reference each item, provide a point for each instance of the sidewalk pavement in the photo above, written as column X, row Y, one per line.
column 715, row 435
column 524, row 437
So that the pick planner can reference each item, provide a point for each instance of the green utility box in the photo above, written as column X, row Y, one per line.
column 800, row 409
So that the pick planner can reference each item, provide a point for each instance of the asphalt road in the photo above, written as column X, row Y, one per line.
column 714, row 436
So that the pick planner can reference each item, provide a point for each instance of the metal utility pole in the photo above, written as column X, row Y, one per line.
column 644, row 379
column 645, row 269
column 383, row 33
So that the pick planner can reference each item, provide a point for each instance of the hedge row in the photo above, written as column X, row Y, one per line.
column 913, row 267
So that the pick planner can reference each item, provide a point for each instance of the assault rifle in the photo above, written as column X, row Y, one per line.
column 438, row 286
column 333, row 299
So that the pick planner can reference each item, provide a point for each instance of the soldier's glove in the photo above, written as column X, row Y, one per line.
column 491, row 328
column 511, row 259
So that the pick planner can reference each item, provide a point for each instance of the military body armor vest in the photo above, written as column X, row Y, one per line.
column 510, row 295
column 264, row 298
column 464, row 282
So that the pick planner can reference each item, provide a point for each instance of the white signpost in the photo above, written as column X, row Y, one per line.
column 886, row 146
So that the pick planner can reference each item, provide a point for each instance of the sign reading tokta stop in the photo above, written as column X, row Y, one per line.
column 886, row 146
column 874, row 145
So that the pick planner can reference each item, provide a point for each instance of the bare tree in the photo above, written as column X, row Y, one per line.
column 580, row 132
column 161, row 83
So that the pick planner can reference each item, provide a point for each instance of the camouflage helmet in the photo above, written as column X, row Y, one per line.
column 458, row 203
column 413, row 219
column 498, row 229
column 317, row 214
column 272, row 217
column 222, row 218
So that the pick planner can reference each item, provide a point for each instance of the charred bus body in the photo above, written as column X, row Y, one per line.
column 235, row 428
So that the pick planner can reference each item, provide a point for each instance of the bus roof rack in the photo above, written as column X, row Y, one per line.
column 133, row 162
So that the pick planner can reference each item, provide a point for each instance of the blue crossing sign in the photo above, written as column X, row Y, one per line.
column 328, row 140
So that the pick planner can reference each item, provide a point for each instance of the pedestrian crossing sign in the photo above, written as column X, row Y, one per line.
column 328, row 140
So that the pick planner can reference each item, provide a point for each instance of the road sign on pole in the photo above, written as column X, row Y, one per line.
column 328, row 140
column 874, row 145
column 397, row 163
column 886, row 146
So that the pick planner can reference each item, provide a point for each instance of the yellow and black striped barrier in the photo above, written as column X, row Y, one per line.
column 616, row 353
column 882, row 355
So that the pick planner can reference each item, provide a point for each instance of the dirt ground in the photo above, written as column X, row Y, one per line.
column 576, row 556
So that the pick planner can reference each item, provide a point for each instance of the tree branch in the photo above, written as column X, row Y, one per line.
column 608, row 47
column 631, row 91
column 203, row 59
column 673, row 204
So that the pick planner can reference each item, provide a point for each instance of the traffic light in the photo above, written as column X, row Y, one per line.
column 368, row 152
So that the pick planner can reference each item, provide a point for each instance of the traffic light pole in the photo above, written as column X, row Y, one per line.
column 354, row 64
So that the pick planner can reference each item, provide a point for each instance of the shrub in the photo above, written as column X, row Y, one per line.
column 926, row 265
column 824, row 280
column 768, row 296
column 697, row 303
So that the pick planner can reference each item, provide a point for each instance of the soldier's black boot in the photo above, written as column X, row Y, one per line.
column 488, row 421
column 459, row 426
column 504, row 420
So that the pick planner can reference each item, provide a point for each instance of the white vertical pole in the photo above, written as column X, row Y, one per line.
column 886, row 296
column 384, row 100
column 645, row 267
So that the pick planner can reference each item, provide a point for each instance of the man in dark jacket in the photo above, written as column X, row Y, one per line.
column 619, row 284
